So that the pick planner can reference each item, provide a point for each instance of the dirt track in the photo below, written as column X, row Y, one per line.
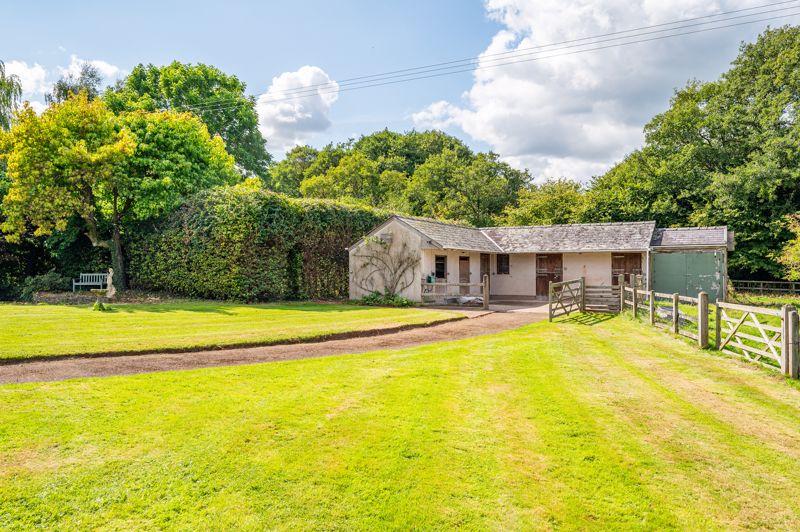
column 68, row 368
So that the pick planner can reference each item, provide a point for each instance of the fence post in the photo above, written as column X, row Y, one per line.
column 652, row 307
column 621, row 284
column 718, row 327
column 794, row 345
column 635, row 298
column 550, row 301
column 675, row 302
column 583, row 294
column 702, row 319
column 486, row 291
column 786, row 340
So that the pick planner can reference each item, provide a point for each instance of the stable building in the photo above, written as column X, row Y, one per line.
column 407, row 254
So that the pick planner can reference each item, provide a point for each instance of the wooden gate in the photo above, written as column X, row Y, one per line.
column 755, row 334
column 565, row 297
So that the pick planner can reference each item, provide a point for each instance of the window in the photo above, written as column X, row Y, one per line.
column 441, row 266
column 503, row 264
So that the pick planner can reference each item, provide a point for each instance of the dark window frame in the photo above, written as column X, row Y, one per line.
column 503, row 266
column 437, row 264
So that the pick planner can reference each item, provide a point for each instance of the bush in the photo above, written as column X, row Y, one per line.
column 48, row 282
column 250, row 244
column 385, row 300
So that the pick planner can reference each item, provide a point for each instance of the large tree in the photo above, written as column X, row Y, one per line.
column 88, row 80
column 556, row 201
column 80, row 159
column 10, row 95
column 725, row 152
column 217, row 98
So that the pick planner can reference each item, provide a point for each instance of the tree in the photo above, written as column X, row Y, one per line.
column 355, row 177
column 79, row 159
column 725, row 152
column 477, row 190
column 217, row 98
column 88, row 80
column 790, row 254
column 10, row 95
column 556, row 201
column 286, row 176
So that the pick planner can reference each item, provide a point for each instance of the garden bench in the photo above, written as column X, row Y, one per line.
column 99, row 280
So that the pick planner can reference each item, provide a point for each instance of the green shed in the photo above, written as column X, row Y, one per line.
column 690, row 260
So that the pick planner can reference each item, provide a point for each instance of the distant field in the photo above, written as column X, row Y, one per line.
column 49, row 330
column 765, row 300
column 580, row 424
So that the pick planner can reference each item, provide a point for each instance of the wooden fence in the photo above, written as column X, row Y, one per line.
column 565, row 297
column 766, row 336
column 450, row 293
column 767, row 287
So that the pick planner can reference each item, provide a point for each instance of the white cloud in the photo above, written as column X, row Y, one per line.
column 33, row 78
column 286, row 119
column 575, row 115
column 108, row 70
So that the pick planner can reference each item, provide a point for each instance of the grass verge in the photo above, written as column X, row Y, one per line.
column 35, row 331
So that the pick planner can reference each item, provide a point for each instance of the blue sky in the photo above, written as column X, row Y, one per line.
column 572, row 116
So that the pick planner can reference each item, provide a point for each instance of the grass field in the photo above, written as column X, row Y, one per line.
column 48, row 330
column 579, row 424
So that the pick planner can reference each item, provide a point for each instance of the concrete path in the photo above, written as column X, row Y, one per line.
column 477, row 323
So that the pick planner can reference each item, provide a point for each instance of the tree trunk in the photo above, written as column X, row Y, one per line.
column 118, row 261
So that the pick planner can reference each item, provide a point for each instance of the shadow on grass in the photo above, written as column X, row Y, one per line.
column 588, row 318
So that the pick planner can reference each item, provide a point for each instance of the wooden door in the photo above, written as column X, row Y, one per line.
column 625, row 263
column 484, row 267
column 549, row 268
column 463, row 273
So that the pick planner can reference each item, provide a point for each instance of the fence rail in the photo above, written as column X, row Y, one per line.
column 767, row 287
column 565, row 297
column 448, row 293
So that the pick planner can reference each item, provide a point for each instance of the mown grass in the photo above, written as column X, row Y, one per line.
column 586, row 423
column 50, row 330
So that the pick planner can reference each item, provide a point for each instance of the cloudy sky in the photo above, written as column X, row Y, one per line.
column 561, row 114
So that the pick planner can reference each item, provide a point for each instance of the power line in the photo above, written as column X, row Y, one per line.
column 338, row 85
column 480, row 61
column 541, row 46
column 450, row 71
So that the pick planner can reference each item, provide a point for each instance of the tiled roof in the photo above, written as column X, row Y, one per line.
column 452, row 236
column 691, row 236
column 619, row 236
column 623, row 236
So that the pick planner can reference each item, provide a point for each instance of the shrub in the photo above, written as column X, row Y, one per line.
column 250, row 244
column 48, row 282
column 385, row 300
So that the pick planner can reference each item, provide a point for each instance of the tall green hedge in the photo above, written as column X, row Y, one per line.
column 247, row 244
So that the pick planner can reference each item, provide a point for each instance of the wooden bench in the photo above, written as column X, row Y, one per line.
column 98, row 280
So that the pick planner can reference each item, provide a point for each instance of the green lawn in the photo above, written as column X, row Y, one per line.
column 574, row 424
column 47, row 330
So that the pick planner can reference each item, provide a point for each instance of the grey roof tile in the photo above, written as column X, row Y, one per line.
column 452, row 236
column 618, row 236
column 622, row 236
column 691, row 236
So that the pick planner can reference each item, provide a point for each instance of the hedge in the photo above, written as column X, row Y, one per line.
column 250, row 244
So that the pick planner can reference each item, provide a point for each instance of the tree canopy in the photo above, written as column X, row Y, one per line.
column 217, row 98
column 425, row 173
column 80, row 159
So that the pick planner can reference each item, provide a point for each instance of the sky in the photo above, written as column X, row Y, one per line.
column 562, row 116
